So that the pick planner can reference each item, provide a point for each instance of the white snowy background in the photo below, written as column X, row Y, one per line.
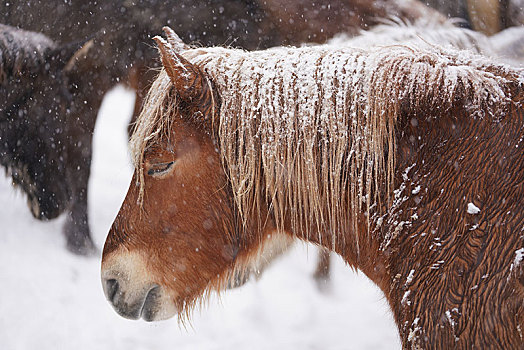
column 50, row 299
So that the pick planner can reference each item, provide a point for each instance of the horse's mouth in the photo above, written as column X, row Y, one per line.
column 34, row 206
column 42, row 211
column 44, row 202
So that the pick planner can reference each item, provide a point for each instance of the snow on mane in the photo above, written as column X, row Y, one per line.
column 445, row 34
column 311, row 131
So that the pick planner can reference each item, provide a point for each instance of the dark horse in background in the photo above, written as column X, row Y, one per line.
column 35, row 100
column 486, row 16
column 118, row 51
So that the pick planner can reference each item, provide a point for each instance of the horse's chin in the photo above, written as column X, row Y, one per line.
column 43, row 210
column 35, row 209
column 43, row 204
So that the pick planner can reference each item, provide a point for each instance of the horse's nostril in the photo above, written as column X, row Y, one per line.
column 149, row 308
column 111, row 289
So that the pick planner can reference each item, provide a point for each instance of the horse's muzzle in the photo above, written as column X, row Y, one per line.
column 131, row 304
column 131, row 289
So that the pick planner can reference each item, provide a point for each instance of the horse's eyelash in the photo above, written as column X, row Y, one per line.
column 159, row 168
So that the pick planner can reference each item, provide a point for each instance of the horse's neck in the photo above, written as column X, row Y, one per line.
column 437, row 161
column 280, row 126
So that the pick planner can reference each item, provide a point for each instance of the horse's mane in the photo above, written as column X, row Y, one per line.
column 22, row 51
column 311, row 131
column 431, row 31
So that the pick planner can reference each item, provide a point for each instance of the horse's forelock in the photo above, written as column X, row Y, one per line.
column 153, row 123
column 157, row 116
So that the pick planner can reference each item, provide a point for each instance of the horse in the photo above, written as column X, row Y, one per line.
column 486, row 16
column 403, row 159
column 120, row 53
column 35, row 102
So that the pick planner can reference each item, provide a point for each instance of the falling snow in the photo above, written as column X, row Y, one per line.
column 60, row 303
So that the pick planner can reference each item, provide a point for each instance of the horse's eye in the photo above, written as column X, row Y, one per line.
column 159, row 169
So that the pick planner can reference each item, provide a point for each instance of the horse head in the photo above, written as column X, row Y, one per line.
column 34, row 86
column 176, row 235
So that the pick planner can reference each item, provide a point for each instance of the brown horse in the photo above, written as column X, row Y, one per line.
column 405, row 160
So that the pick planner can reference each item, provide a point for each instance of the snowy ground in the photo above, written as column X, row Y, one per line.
column 50, row 299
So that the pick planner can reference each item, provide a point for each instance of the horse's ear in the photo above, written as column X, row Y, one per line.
column 174, row 40
column 80, row 54
column 65, row 57
column 186, row 77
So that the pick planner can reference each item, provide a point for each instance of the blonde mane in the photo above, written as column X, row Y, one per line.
column 310, row 131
